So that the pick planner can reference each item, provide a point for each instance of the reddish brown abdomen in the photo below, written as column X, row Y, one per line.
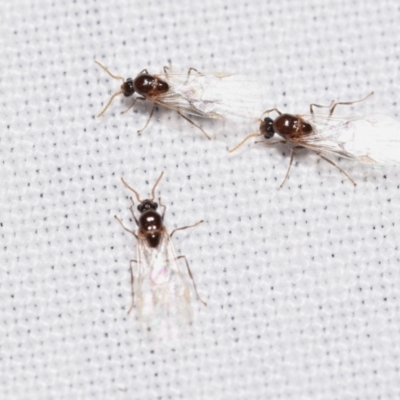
column 151, row 227
column 291, row 126
column 149, row 86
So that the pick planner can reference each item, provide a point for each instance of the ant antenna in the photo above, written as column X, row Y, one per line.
column 155, row 185
column 131, row 189
column 137, row 194
column 115, row 94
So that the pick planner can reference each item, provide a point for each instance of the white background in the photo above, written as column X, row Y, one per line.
column 302, row 283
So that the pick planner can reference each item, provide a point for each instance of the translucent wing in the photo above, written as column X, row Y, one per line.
column 372, row 140
column 213, row 95
column 161, row 291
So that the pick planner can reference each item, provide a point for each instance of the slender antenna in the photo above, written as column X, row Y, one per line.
column 131, row 189
column 137, row 194
column 348, row 103
column 109, row 102
column 115, row 94
column 109, row 73
column 155, row 185
column 244, row 141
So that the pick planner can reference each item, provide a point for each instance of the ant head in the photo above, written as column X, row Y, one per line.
column 267, row 128
column 147, row 205
column 128, row 88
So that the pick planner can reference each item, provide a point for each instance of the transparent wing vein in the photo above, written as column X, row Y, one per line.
column 373, row 140
column 161, row 290
column 219, row 96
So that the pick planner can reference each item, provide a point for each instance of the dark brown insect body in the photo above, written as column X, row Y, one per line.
column 150, row 87
column 302, row 134
column 290, row 127
column 146, row 85
column 160, row 285
column 150, row 223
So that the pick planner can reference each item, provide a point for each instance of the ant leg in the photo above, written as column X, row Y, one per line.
column 272, row 109
column 162, row 205
column 133, row 214
column 294, row 149
column 272, row 143
column 190, row 71
column 166, row 70
column 132, row 280
column 131, row 106
column 143, row 71
column 319, row 106
column 123, row 226
column 340, row 169
column 197, row 126
column 334, row 104
column 191, row 277
column 151, row 114
column 185, row 227
column 348, row 103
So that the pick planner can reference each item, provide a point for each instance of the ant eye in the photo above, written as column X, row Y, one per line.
column 154, row 206
column 140, row 208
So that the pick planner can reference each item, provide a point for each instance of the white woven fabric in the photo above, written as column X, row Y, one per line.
column 302, row 283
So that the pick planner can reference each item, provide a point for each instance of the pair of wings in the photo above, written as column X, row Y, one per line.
column 372, row 140
column 162, row 295
column 212, row 95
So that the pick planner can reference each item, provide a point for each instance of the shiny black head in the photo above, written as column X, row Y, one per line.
column 266, row 127
column 147, row 205
column 127, row 88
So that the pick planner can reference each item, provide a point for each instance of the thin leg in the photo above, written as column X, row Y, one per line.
column 190, row 71
column 294, row 149
column 193, row 69
column 143, row 71
column 272, row 143
column 334, row 104
column 272, row 109
column 131, row 106
column 128, row 230
column 132, row 280
column 151, row 114
column 162, row 205
column 319, row 106
column 197, row 126
column 185, row 227
column 133, row 214
column 340, row 169
column 191, row 277
column 244, row 141
column 166, row 70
